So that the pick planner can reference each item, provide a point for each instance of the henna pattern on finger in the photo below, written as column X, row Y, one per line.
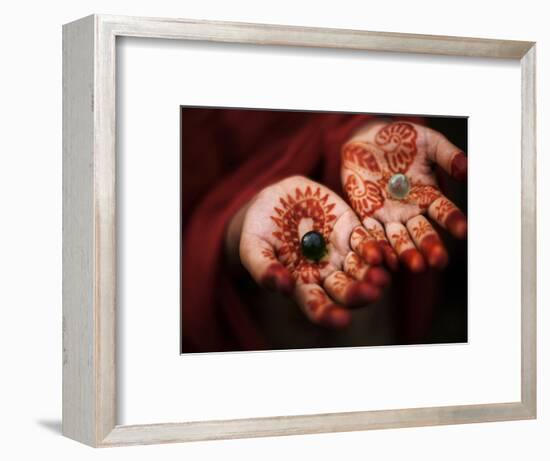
column 400, row 240
column 376, row 233
column 398, row 140
column 345, row 289
column 339, row 282
column 360, row 232
column 305, row 204
column 317, row 300
column 354, row 266
column 357, row 269
column 365, row 245
column 423, row 195
column 324, row 312
column 434, row 251
column 443, row 208
column 421, row 229
column 390, row 256
column 338, row 285
column 429, row 243
column 449, row 216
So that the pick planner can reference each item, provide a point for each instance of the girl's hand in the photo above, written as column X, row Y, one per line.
column 327, row 272
column 387, row 174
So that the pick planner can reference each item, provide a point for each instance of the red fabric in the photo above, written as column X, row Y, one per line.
column 227, row 157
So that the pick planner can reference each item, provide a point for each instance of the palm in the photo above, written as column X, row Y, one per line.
column 388, row 177
column 271, row 249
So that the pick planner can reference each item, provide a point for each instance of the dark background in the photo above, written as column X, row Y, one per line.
column 451, row 315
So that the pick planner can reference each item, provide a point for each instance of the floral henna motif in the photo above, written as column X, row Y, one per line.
column 359, row 154
column 343, row 288
column 340, row 281
column 308, row 272
column 354, row 266
column 421, row 230
column 443, row 208
column 370, row 167
column 401, row 239
column 398, row 140
column 322, row 311
column 423, row 195
column 316, row 301
column 364, row 195
column 362, row 242
column 429, row 244
column 369, row 175
column 309, row 205
column 376, row 233
column 450, row 217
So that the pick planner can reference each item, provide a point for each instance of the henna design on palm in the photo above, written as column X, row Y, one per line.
column 371, row 163
column 313, row 210
column 398, row 141
column 271, row 250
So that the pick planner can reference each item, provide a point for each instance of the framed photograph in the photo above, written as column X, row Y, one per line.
column 273, row 230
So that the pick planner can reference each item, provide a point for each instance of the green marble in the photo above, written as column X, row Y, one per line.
column 314, row 246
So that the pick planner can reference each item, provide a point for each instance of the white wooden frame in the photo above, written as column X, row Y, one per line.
column 89, row 245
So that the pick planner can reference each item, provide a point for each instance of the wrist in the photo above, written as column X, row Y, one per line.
column 233, row 235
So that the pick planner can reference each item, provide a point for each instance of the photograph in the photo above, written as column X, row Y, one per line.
column 315, row 229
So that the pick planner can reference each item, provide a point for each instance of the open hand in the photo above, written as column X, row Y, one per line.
column 325, row 281
column 388, row 177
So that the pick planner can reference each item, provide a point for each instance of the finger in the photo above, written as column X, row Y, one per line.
column 426, row 239
column 366, row 245
column 319, row 308
column 258, row 257
column 342, row 231
column 390, row 256
column 404, row 246
column 447, row 155
column 448, row 216
column 355, row 267
column 423, row 195
column 352, row 293
column 375, row 229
